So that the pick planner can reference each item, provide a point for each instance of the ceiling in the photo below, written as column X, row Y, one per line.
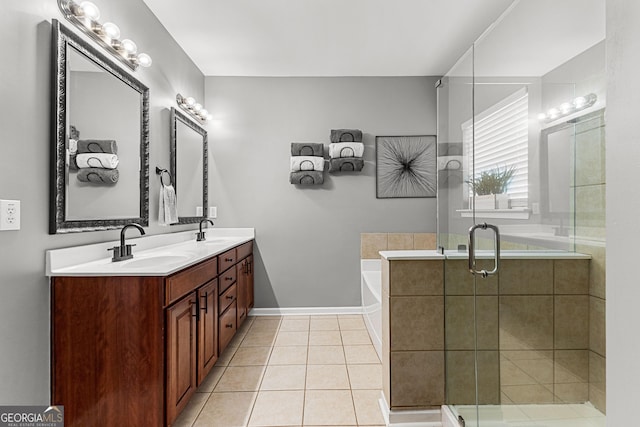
column 326, row 37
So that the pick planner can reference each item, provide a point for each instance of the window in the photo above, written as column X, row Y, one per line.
column 501, row 140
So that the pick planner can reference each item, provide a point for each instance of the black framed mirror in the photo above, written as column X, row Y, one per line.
column 100, row 140
column 189, row 167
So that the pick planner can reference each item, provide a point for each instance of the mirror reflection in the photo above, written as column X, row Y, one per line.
column 103, row 143
column 189, row 167
column 100, row 118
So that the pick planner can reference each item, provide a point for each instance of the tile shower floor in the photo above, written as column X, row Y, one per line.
column 292, row 371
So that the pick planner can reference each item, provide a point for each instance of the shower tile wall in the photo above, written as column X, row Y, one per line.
column 590, row 190
column 372, row 243
column 533, row 332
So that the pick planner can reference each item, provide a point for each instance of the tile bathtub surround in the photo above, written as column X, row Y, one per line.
column 292, row 371
column 372, row 243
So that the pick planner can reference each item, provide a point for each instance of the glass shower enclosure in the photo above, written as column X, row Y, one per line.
column 521, row 164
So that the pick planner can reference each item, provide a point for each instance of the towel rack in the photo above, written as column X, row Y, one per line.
column 160, row 172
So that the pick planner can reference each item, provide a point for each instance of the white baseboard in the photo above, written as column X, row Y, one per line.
column 410, row 418
column 304, row 311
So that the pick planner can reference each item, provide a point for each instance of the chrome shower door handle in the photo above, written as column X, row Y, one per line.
column 472, row 249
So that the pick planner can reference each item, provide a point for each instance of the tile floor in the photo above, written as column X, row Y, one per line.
column 292, row 371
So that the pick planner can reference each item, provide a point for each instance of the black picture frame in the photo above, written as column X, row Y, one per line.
column 406, row 166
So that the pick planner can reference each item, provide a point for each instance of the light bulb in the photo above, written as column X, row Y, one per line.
column 197, row 107
column 144, row 60
column 90, row 10
column 580, row 101
column 190, row 101
column 209, row 116
column 542, row 116
column 203, row 113
column 565, row 107
column 553, row 113
column 129, row 46
column 111, row 30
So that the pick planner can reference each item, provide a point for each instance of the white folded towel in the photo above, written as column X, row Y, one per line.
column 97, row 160
column 168, row 206
column 307, row 163
column 449, row 163
column 346, row 149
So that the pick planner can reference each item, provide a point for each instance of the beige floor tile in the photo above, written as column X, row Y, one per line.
column 326, row 355
column 251, row 356
column 278, row 408
column 327, row 377
column 226, row 356
column 240, row 378
column 265, row 324
column 296, row 317
column 226, row 409
column 349, row 316
column 324, row 323
column 259, row 339
column 325, row 338
column 211, row 380
column 351, row 324
column 365, row 377
column 236, row 340
column 282, row 377
column 358, row 354
column 367, row 407
column 356, row 337
column 288, row 355
column 329, row 407
column 292, row 338
column 289, row 325
column 192, row 410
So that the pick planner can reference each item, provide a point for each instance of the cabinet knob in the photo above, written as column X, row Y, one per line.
column 229, row 325
column 229, row 296
column 228, row 259
column 228, row 278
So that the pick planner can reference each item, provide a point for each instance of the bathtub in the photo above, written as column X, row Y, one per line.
column 371, row 292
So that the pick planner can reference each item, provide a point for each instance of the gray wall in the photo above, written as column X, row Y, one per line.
column 623, row 203
column 308, row 238
column 24, row 171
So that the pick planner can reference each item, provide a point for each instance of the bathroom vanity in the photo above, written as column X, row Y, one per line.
column 130, row 346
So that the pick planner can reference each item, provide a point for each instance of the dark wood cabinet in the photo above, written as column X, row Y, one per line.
column 181, row 354
column 132, row 350
column 241, row 269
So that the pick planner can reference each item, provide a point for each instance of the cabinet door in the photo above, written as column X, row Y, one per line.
column 249, row 282
column 207, row 328
column 181, row 354
column 241, row 274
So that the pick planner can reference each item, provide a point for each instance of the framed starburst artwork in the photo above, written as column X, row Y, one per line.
column 405, row 166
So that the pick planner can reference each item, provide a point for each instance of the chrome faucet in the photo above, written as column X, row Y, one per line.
column 122, row 252
column 200, row 236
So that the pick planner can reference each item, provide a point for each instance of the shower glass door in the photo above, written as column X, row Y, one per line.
column 521, row 147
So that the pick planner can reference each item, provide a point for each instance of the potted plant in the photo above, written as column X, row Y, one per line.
column 490, row 188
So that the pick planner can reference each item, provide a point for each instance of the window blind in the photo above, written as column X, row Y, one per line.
column 501, row 140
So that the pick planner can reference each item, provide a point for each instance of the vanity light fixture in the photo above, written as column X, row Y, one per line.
column 567, row 108
column 194, row 109
column 85, row 15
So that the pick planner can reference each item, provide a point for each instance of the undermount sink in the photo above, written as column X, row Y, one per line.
column 156, row 260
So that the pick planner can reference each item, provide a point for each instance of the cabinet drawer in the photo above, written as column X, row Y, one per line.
column 227, row 298
column 227, row 327
column 244, row 250
column 227, row 279
column 227, row 259
column 186, row 281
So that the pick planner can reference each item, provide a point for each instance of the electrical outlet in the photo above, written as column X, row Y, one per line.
column 9, row 214
column 213, row 212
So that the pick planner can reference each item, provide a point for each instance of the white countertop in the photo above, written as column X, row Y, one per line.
column 157, row 255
